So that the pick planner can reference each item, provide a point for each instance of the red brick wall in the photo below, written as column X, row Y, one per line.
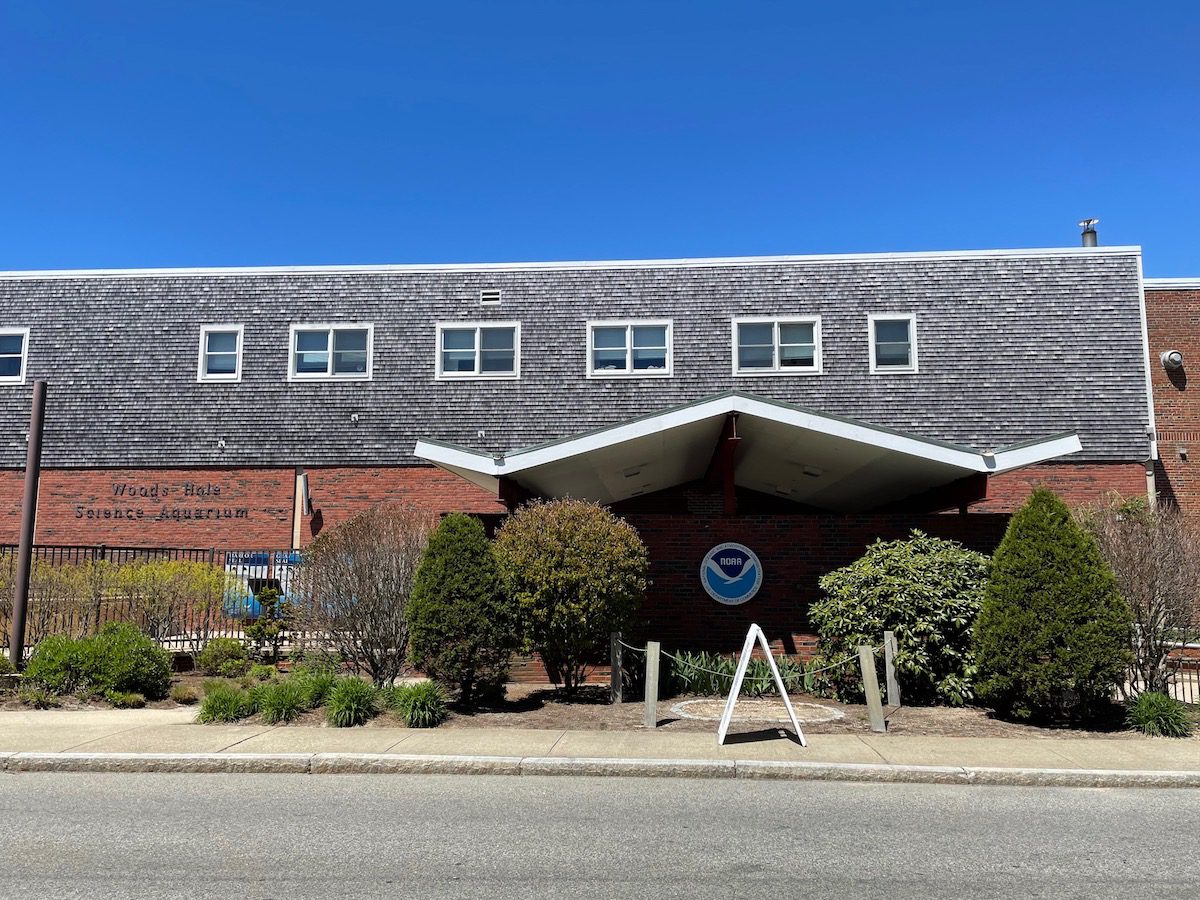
column 241, row 508
column 1173, row 323
column 1078, row 485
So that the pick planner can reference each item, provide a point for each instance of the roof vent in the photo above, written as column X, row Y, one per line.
column 1089, row 232
column 489, row 295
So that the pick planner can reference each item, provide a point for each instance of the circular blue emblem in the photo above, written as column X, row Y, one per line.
column 731, row 573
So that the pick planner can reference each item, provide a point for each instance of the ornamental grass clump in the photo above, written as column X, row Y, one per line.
column 282, row 701
column 421, row 704
column 351, row 702
column 1052, row 637
column 1158, row 715
column 125, row 699
column 314, row 687
column 223, row 702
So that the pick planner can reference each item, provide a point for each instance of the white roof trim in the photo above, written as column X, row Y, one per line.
column 700, row 262
column 1171, row 284
column 962, row 458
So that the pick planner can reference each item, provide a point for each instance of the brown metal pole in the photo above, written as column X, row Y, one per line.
column 33, row 470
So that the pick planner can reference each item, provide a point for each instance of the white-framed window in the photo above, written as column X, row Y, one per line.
column 478, row 349
column 14, row 349
column 220, row 353
column 893, row 340
column 630, row 348
column 777, row 345
column 341, row 352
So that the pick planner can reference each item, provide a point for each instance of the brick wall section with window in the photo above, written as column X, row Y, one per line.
column 1173, row 323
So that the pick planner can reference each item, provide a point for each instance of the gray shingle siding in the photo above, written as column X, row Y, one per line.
column 1011, row 348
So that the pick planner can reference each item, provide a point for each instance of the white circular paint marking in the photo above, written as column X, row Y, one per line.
column 752, row 710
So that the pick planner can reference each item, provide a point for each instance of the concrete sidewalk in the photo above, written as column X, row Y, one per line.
column 168, row 740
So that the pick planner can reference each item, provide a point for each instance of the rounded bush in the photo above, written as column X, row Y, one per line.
column 6, row 665
column 126, row 660
column 1158, row 715
column 224, row 656
column 223, row 703
column 262, row 673
column 57, row 664
column 351, row 702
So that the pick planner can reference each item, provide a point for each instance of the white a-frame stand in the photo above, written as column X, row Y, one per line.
column 747, row 648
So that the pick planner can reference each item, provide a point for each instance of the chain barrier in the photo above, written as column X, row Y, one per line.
column 804, row 673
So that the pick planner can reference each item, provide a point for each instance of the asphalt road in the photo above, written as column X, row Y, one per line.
column 279, row 836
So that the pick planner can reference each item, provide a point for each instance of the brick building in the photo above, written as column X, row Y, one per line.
column 797, row 407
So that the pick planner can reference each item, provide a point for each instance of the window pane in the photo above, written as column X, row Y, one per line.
column 222, row 342
column 498, row 361
column 312, row 363
column 650, row 358
column 221, row 364
column 458, row 339
column 891, row 330
column 350, row 339
column 798, row 356
column 892, row 354
column 608, row 338
column 497, row 338
column 11, row 343
column 755, row 357
column 609, row 360
column 309, row 341
column 350, row 362
column 650, row 336
column 796, row 333
column 10, row 367
column 458, row 361
column 757, row 335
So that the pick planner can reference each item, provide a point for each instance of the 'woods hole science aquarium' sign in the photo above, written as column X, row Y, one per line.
column 731, row 573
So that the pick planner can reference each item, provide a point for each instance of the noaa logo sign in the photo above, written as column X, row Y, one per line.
column 731, row 573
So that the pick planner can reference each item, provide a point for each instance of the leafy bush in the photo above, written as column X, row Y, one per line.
column 6, row 665
column 711, row 675
column 421, row 704
column 356, row 580
column 262, row 673
column 314, row 687
column 223, row 702
column 120, row 658
column 224, row 656
column 576, row 572
column 38, row 697
column 351, row 701
column 282, row 701
column 463, row 628
column 1158, row 715
column 926, row 590
column 184, row 694
column 1052, row 638
column 125, row 699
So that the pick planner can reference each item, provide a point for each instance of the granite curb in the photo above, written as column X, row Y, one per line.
column 16, row 763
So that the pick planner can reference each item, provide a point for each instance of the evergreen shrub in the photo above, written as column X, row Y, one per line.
column 462, row 626
column 119, row 658
column 1052, row 637
column 224, row 656
column 926, row 590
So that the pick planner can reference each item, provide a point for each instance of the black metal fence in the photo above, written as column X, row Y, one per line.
column 76, row 590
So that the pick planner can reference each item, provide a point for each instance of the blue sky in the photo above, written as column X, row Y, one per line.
column 170, row 133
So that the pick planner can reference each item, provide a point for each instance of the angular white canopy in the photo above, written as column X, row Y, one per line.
column 823, row 461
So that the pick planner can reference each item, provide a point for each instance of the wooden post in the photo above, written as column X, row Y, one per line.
column 616, row 683
column 866, row 660
column 889, row 669
column 650, row 717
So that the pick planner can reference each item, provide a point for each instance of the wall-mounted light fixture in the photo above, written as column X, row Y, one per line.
column 1171, row 360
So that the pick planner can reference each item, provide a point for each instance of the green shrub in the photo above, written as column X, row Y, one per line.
column 282, row 701
column 125, row 699
column 463, row 629
column 224, row 702
column 577, row 573
column 120, row 658
column 422, row 704
column 1052, row 637
column 926, row 590
column 1159, row 715
column 315, row 687
column 184, row 694
column 37, row 696
column 351, row 701
column 268, row 628
column 261, row 673
column 57, row 664
column 6, row 665
column 224, row 656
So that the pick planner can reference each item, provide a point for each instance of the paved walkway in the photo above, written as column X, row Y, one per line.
column 173, row 732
